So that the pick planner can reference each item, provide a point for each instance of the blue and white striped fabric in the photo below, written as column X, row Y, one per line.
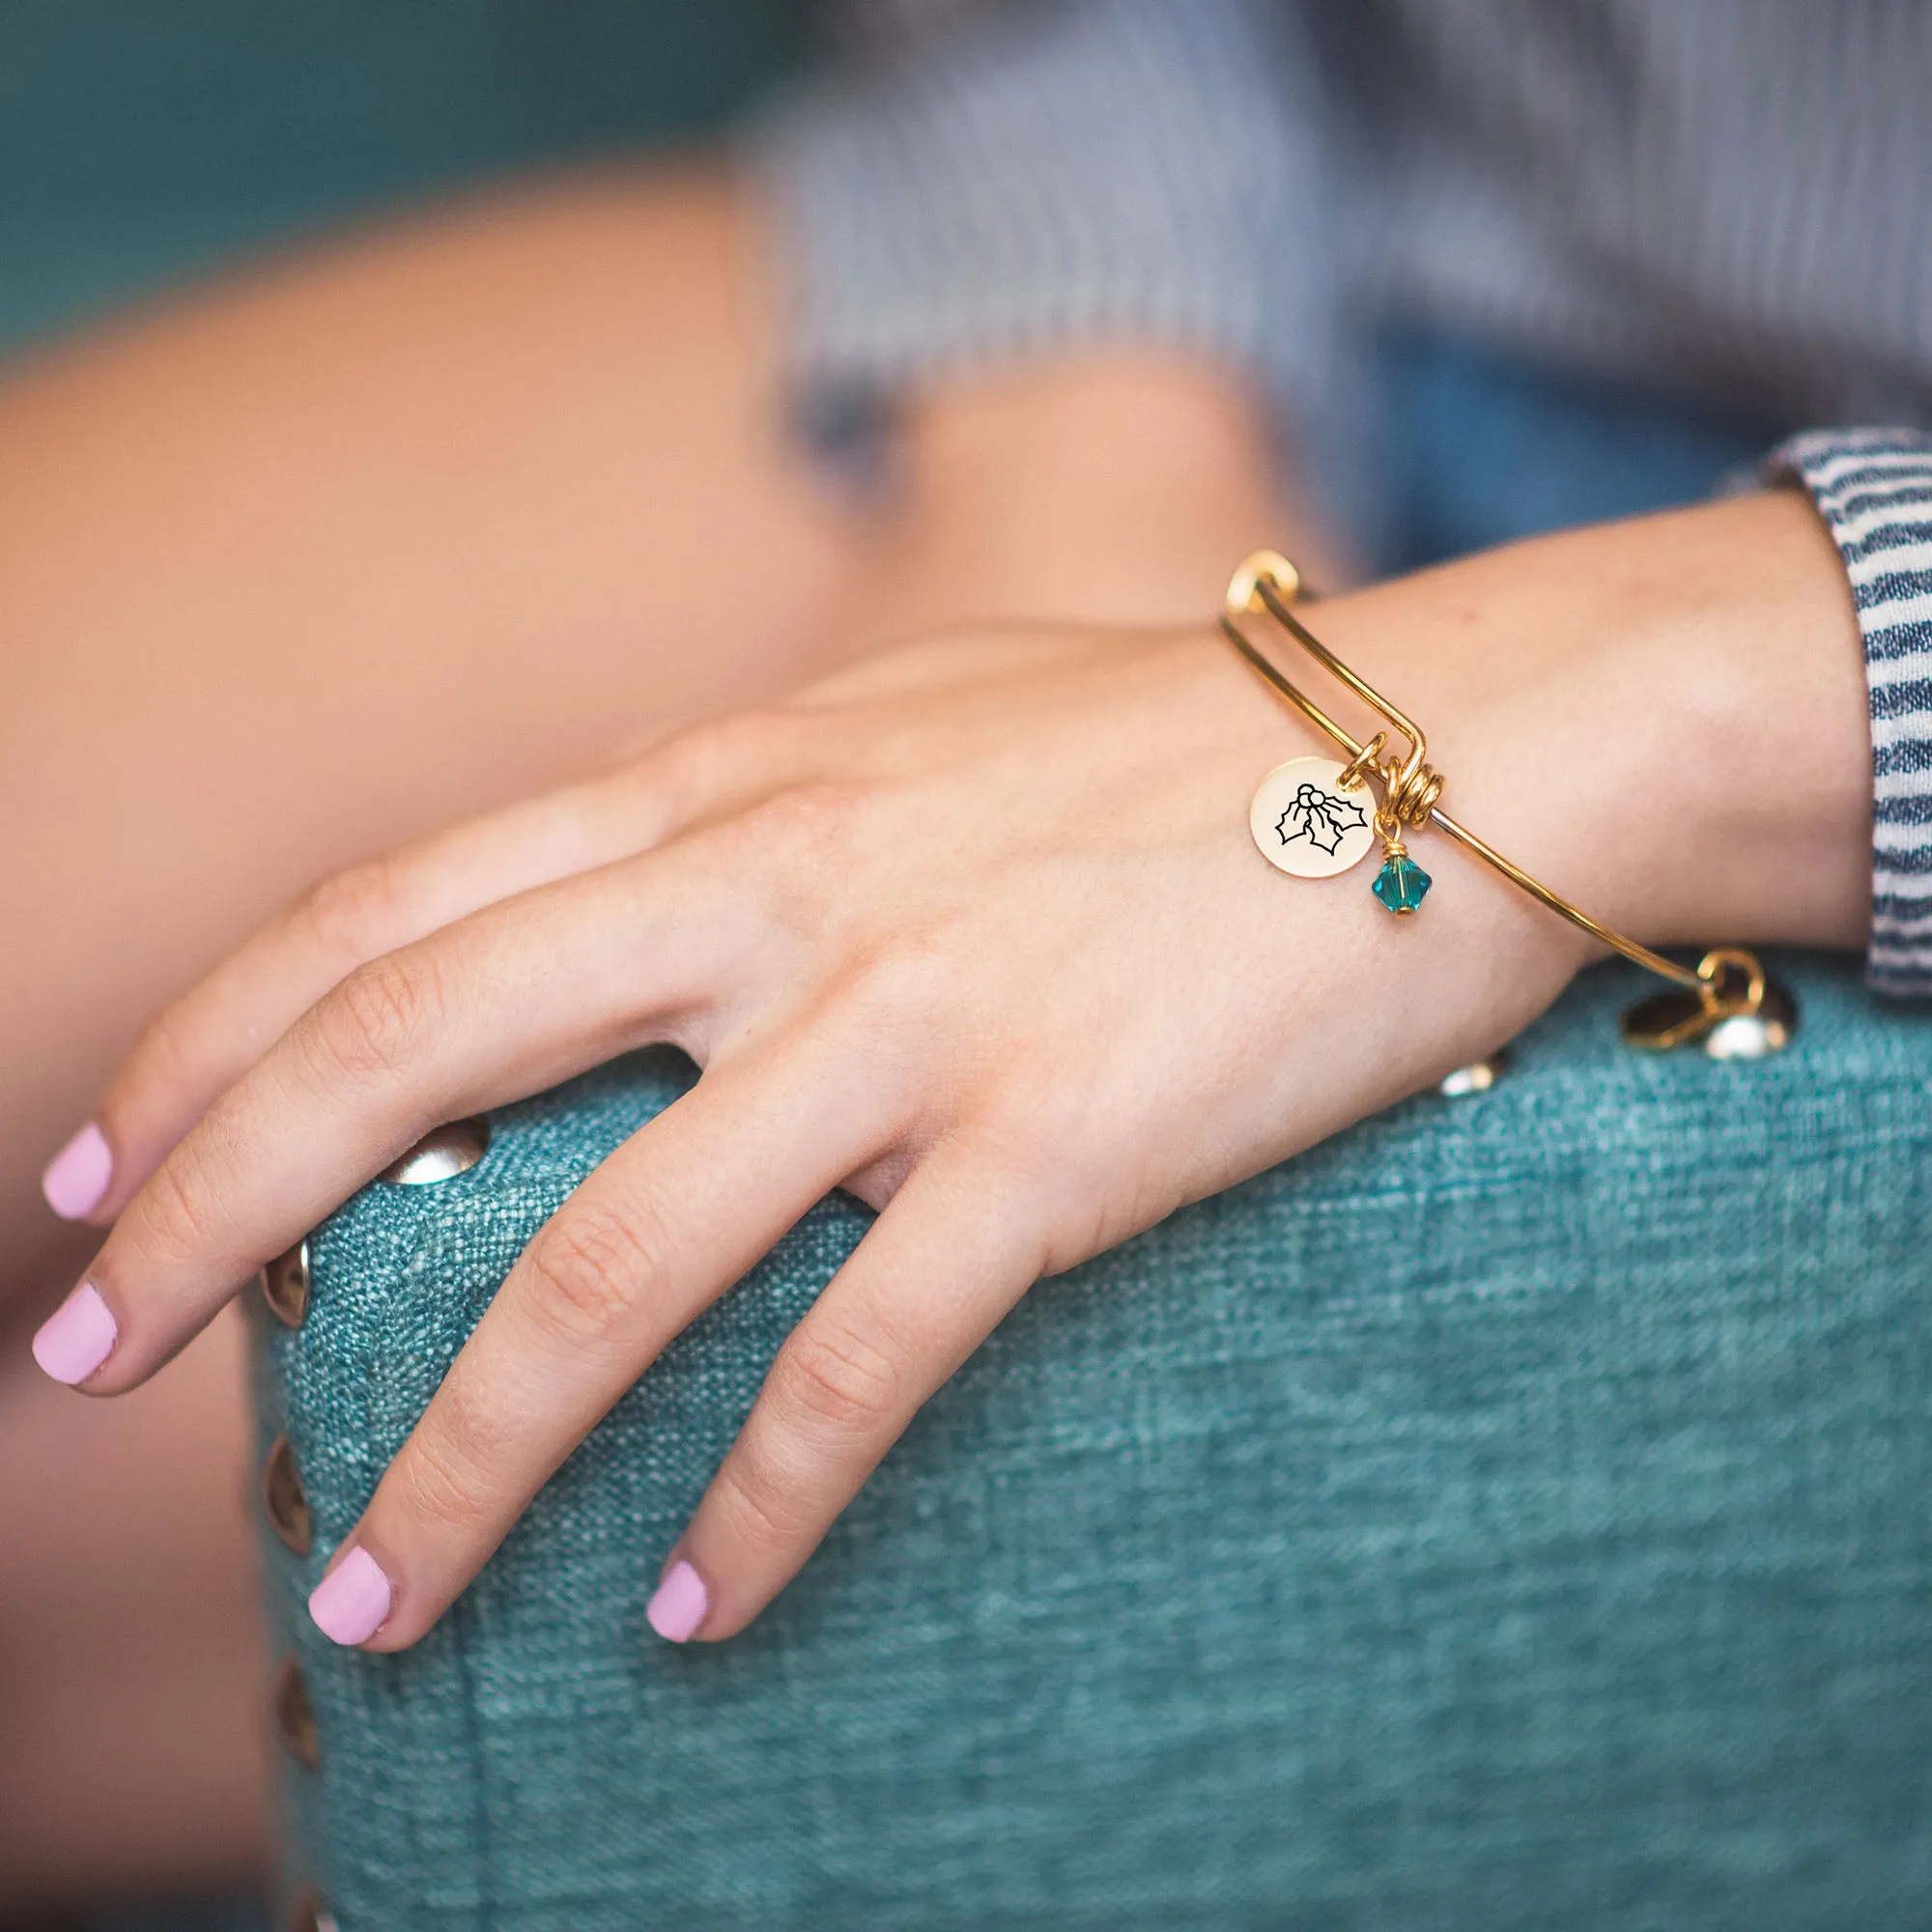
column 1727, row 200
column 1724, row 201
column 1873, row 488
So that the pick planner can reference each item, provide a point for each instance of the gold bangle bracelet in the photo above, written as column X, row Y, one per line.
column 1308, row 822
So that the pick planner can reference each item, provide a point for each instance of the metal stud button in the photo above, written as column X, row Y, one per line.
column 1676, row 1018
column 284, row 1499
column 1752, row 1035
column 294, row 1717
column 1478, row 1077
column 442, row 1154
column 285, row 1285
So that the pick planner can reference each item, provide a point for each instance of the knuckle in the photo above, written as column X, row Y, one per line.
column 587, row 1268
column 728, row 746
column 442, row 1484
column 913, row 979
column 758, row 1498
column 714, row 758
column 162, row 1054
column 382, row 1016
column 805, row 832
column 178, row 1211
column 349, row 914
column 836, row 1379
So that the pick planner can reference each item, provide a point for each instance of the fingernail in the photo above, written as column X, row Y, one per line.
column 348, row 1604
column 75, row 1180
column 680, row 1604
column 77, row 1337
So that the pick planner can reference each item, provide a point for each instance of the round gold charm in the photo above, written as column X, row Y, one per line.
column 1305, row 823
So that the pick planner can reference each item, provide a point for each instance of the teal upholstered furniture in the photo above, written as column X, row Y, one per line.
column 1511, row 1514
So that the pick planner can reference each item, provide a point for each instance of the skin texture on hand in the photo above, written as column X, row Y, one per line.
column 976, row 929
column 1673, row 707
column 500, row 461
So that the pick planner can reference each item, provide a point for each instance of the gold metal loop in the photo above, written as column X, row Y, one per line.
column 1413, row 790
column 1362, row 766
column 1406, row 784
column 1243, row 593
column 1710, row 971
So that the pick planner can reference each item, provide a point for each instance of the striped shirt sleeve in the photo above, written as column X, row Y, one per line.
column 1873, row 488
column 1018, row 180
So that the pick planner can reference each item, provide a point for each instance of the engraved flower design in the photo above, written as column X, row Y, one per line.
column 1321, row 817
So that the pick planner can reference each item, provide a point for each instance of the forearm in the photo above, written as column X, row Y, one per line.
column 1111, row 487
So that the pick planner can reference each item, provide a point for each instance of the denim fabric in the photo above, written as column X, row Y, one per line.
column 1508, row 1514
column 1463, row 446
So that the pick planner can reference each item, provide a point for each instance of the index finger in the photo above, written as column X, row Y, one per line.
column 205, row 1040
column 505, row 1003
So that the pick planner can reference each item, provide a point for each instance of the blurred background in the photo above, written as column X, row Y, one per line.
column 146, row 142
column 142, row 141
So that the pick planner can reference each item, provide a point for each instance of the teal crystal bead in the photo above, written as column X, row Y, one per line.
column 1401, row 883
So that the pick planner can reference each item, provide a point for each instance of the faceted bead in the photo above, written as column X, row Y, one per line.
column 1401, row 883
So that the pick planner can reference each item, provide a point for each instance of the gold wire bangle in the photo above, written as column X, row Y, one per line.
column 1268, row 583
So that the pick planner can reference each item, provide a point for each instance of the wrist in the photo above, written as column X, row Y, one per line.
column 1665, row 720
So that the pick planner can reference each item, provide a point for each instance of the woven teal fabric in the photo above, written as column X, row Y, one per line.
column 1511, row 1513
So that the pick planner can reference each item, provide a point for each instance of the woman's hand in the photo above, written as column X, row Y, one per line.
column 977, row 931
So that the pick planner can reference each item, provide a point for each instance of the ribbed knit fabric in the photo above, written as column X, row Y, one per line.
column 1874, row 489
column 1075, row 175
column 1729, row 200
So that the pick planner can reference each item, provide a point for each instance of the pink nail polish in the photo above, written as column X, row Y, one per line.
column 679, row 1606
column 348, row 1604
column 77, row 1337
column 75, row 1180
